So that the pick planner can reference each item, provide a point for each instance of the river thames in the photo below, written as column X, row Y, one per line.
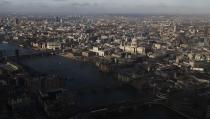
column 96, row 87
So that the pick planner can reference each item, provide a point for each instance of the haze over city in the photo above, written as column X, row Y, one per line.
column 104, row 59
column 106, row 6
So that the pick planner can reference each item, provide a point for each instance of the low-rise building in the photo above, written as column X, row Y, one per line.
column 53, row 45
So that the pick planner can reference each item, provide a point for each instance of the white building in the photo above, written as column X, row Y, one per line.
column 96, row 50
column 53, row 45
column 133, row 48
column 141, row 50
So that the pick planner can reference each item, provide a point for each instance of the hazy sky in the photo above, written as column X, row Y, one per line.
column 106, row 6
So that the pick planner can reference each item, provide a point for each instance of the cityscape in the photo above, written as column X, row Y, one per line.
column 98, row 65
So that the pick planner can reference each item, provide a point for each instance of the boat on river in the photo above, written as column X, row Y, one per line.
column 4, row 42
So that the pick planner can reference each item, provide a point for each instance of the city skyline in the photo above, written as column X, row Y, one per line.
column 103, row 66
column 103, row 6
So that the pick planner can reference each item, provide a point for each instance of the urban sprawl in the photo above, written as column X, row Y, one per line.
column 166, row 59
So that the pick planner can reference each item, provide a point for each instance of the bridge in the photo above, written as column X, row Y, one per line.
column 131, row 105
column 134, row 106
column 28, row 54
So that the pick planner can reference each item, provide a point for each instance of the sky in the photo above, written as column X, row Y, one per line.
column 106, row 6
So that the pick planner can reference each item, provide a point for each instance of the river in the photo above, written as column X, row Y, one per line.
column 84, row 77
column 8, row 49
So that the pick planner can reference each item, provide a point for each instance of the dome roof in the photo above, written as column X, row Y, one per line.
column 134, row 40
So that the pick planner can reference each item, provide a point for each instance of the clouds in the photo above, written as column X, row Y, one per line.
column 5, row 5
column 106, row 6
column 4, row 2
